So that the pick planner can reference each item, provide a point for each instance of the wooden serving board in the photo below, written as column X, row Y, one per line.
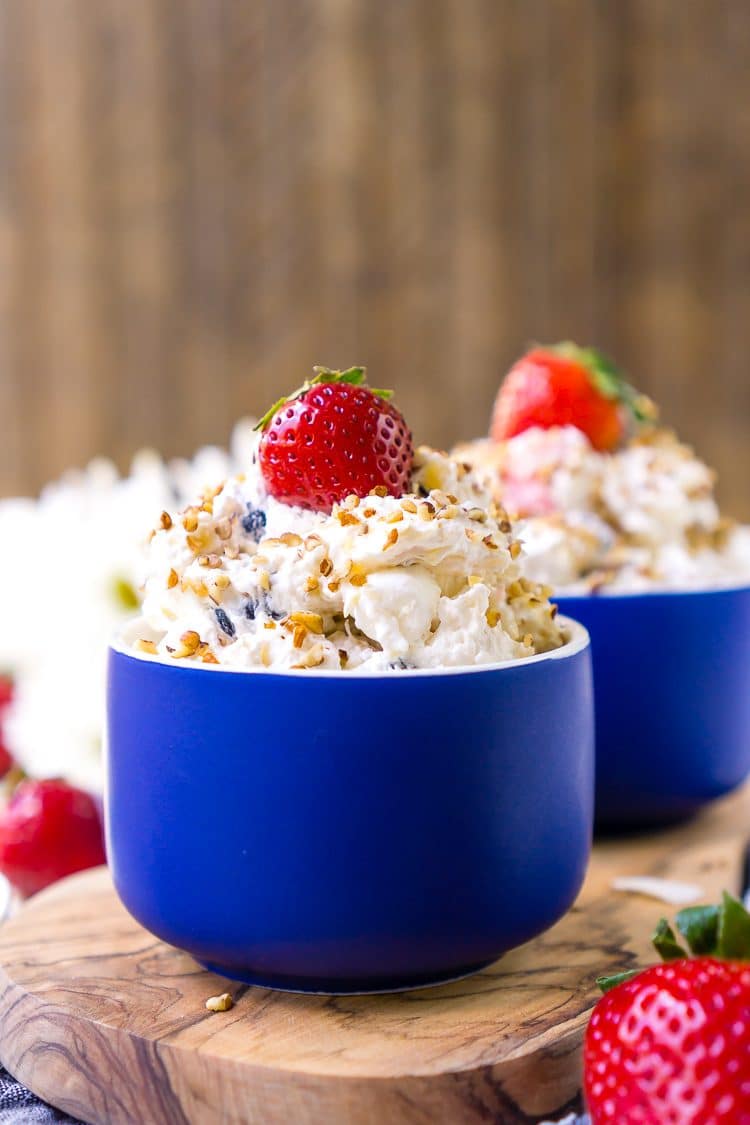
column 108, row 1023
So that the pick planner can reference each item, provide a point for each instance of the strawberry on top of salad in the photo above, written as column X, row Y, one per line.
column 342, row 547
column 607, row 498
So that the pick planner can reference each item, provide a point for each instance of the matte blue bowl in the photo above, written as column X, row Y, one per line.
column 672, row 700
column 337, row 832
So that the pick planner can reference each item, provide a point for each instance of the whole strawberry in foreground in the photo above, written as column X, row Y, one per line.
column 333, row 437
column 48, row 830
column 564, row 385
column 671, row 1045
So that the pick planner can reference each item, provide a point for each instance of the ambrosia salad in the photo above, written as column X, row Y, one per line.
column 605, row 498
column 340, row 548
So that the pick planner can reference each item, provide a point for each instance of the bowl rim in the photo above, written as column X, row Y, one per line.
column 121, row 643
column 655, row 592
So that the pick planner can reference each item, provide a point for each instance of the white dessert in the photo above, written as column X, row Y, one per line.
column 643, row 517
column 426, row 580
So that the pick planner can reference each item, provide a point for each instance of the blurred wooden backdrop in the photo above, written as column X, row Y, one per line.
column 201, row 198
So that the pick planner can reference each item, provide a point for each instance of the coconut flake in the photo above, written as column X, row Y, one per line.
column 666, row 890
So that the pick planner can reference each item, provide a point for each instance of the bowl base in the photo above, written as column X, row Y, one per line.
column 327, row 986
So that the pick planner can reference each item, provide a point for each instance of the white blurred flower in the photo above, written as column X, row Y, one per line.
column 68, row 576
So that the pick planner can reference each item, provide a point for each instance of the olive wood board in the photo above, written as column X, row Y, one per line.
column 109, row 1023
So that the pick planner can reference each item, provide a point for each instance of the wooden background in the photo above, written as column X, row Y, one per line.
column 201, row 198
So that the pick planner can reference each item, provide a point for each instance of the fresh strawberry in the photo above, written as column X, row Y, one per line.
column 48, row 830
column 334, row 436
column 671, row 1045
column 565, row 385
column 6, row 694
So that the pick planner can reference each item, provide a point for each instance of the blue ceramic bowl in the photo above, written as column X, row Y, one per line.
column 672, row 695
column 337, row 832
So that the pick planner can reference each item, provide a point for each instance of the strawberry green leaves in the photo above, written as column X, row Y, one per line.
column 353, row 376
column 608, row 380
column 608, row 983
column 665, row 942
column 721, row 931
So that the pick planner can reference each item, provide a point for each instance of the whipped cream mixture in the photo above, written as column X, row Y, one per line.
column 426, row 580
column 643, row 517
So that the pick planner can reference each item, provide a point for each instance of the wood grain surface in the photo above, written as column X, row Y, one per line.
column 109, row 1023
column 201, row 198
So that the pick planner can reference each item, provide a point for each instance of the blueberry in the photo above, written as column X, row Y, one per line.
column 270, row 610
column 254, row 523
column 225, row 623
column 250, row 607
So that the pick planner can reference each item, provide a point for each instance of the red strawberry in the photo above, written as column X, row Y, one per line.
column 565, row 385
column 6, row 694
column 48, row 830
column 332, row 437
column 671, row 1045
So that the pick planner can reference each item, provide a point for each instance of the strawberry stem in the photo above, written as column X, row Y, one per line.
column 354, row 376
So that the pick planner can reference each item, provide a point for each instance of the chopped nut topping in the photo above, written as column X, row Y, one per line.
column 514, row 548
column 490, row 543
column 449, row 513
column 166, row 521
column 326, row 567
column 528, row 640
column 265, row 656
column 223, row 529
column 291, row 539
column 358, row 579
column 334, row 584
column 172, row 579
column 198, row 541
column 209, row 658
column 426, row 510
column 472, row 535
column 143, row 645
column 220, row 1003
column 222, row 581
column 505, row 526
column 264, row 580
column 379, row 490
column 395, row 516
column 311, row 621
column 188, row 645
column 212, row 561
column 492, row 617
column 368, row 513
column 314, row 656
column 298, row 636
column 453, row 499
column 343, row 657
column 190, row 520
column 477, row 514
column 311, row 584
column 391, row 539
column 346, row 519
column 409, row 505
column 351, row 502
column 269, row 624
column 208, row 506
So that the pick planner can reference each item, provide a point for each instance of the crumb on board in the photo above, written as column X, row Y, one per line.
column 220, row 1003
